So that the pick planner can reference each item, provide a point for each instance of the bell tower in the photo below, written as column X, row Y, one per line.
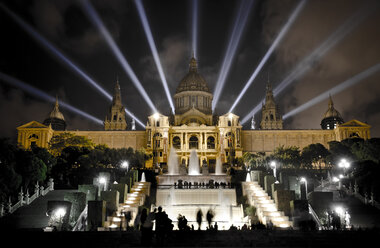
column 116, row 119
column 270, row 118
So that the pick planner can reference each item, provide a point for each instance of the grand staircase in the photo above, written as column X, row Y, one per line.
column 266, row 208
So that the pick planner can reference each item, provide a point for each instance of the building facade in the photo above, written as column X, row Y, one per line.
column 195, row 127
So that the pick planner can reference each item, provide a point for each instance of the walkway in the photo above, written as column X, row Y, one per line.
column 32, row 216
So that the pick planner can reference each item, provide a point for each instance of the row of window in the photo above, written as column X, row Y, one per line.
column 194, row 101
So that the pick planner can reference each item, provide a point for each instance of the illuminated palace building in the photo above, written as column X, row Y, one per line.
column 194, row 126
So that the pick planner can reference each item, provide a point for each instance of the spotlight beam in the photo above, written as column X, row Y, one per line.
column 282, row 33
column 239, row 25
column 152, row 45
column 95, row 19
column 331, row 41
column 195, row 27
column 54, row 51
column 309, row 61
column 335, row 90
column 42, row 95
column 50, row 48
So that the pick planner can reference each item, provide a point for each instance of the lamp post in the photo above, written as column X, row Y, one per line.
column 125, row 166
column 273, row 166
column 337, row 180
column 303, row 180
column 344, row 164
column 103, row 180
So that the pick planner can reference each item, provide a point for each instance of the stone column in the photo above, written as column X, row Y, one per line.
column 21, row 197
column 37, row 189
column 51, row 183
column 27, row 199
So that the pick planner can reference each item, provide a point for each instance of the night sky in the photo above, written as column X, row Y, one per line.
column 65, row 24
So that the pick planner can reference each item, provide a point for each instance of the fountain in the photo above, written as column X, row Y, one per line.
column 175, row 197
column 248, row 178
column 193, row 163
column 218, row 167
column 173, row 166
column 143, row 179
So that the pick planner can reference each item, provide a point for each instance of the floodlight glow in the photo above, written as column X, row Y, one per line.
column 344, row 164
column 273, row 164
column 282, row 33
column 60, row 212
column 239, row 25
column 335, row 90
column 335, row 179
column 44, row 96
column 95, row 19
column 102, row 180
column 125, row 165
column 195, row 27
column 309, row 61
column 152, row 45
column 156, row 116
column 303, row 180
column 339, row 210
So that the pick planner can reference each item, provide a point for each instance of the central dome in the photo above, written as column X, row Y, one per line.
column 193, row 81
column 193, row 98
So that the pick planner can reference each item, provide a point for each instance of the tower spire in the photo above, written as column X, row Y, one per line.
column 116, row 119
column 193, row 64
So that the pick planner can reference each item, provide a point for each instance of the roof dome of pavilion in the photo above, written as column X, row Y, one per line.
column 331, row 111
column 55, row 118
column 193, row 81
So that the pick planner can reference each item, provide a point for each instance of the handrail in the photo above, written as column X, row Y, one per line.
column 315, row 217
column 80, row 224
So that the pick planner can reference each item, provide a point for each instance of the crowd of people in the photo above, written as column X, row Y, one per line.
column 201, row 185
column 145, row 221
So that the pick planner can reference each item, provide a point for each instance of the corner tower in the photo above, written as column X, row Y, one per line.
column 270, row 118
column 55, row 118
column 332, row 117
column 116, row 119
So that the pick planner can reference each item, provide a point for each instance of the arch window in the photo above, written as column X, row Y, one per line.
column 210, row 142
column 193, row 142
column 177, row 142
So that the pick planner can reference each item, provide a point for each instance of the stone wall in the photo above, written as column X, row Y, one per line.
column 268, row 140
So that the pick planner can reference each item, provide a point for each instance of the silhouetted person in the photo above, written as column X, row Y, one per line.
column 199, row 218
column 143, row 229
column 160, row 226
column 209, row 217
column 216, row 226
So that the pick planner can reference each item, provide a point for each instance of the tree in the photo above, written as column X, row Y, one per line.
column 288, row 156
column 366, row 150
column 314, row 154
column 10, row 180
column 30, row 167
column 63, row 140
column 339, row 150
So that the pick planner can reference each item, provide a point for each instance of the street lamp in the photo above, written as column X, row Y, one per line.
column 273, row 166
column 103, row 180
column 337, row 180
column 344, row 164
column 124, row 165
column 303, row 180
